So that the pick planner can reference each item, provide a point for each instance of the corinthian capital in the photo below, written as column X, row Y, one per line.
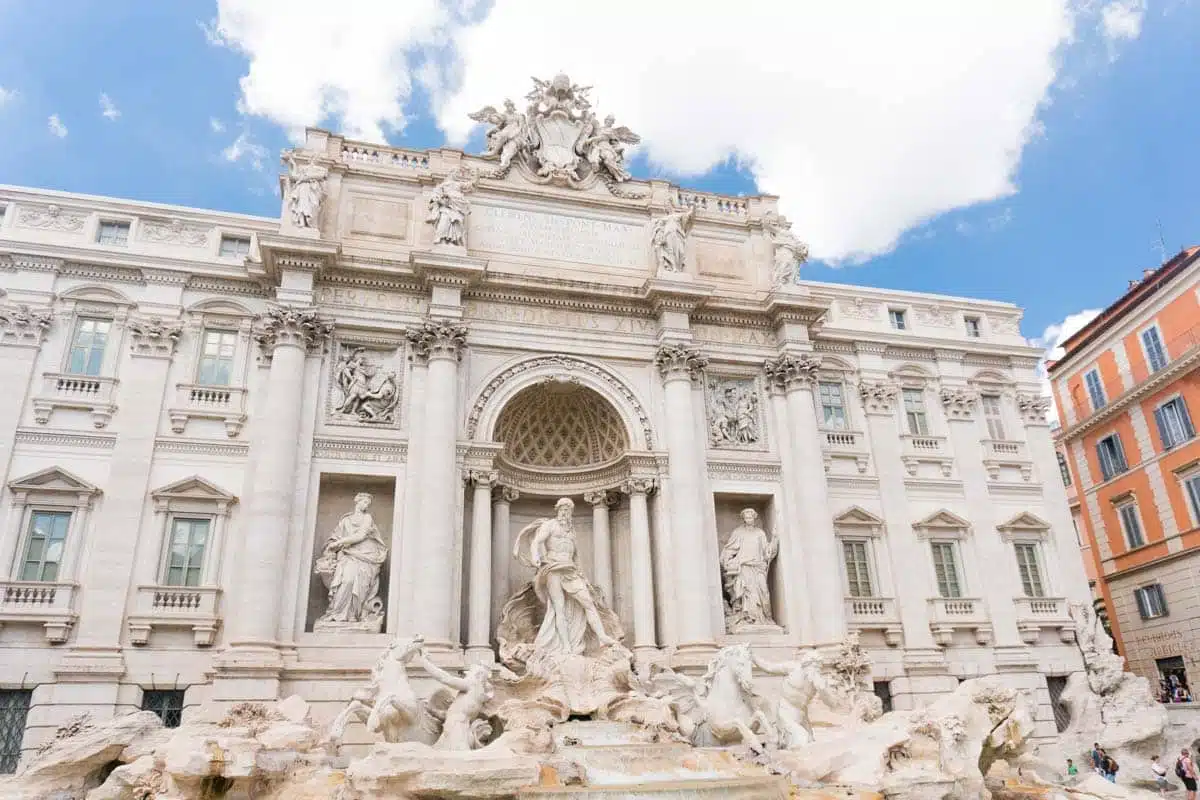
column 959, row 402
column 639, row 486
column 153, row 336
column 679, row 361
column 790, row 371
column 437, row 339
column 482, row 478
column 878, row 396
column 20, row 324
column 1033, row 408
column 290, row 325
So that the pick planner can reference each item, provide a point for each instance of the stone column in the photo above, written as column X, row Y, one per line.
column 643, row 568
column 999, row 576
column 441, row 343
column 905, row 549
column 286, row 334
column 797, row 373
column 502, row 499
column 601, row 543
column 479, row 599
column 22, row 330
column 679, row 365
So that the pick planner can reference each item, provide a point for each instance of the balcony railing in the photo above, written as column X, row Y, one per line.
column 195, row 607
column 226, row 404
column 50, row 604
column 915, row 450
column 850, row 445
column 998, row 453
column 93, row 394
column 875, row 614
column 1037, row 613
column 948, row 614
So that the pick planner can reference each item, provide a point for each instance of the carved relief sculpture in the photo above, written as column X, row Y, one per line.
column 349, row 567
column 365, row 391
column 789, row 252
column 51, row 217
column 733, row 413
column 558, row 138
column 745, row 561
column 173, row 231
column 304, row 192
column 669, row 240
column 449, row 208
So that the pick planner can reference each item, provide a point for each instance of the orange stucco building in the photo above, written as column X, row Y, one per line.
column 1127, row 391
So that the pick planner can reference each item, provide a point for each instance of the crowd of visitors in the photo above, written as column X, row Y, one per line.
column 1107, row 767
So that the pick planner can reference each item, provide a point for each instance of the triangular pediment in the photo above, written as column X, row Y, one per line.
column 53, row 479
column 857, row 515
column 1024, row 522
column 943, row 520
column 194, row 488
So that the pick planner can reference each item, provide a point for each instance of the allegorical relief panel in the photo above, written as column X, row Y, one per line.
column 365, row 388
column 734, row 413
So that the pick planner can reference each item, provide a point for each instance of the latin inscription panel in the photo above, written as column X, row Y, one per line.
column 556, row 237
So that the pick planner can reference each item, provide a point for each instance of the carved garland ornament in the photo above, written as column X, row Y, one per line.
column 565, row 366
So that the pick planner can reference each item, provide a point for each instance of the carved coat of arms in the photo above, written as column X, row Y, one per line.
column 558, row 138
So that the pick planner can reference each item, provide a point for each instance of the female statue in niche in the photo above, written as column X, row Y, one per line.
column 349, row 567
column 745, row 559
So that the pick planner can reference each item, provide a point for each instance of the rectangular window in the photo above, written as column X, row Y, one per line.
column 87, row 346
column 234, row 247
column 992, row 414
column 14, row 710
column 1095, row 389
column 1078, row 537
column 914, row 412
column 858, row 569
column 44, row 545
column 1151, row 602
column 1112, row 456
column 945, row 569
column 1174, row 423
column 166, row 703
column 1063, row 469
column 1131, row 525
column 114, row 233
column 1056, row 685
column 1031, row 572
column 185, row 555
column 1156, row 354
column 883, row 690
column 1191, row 487
column 974, row 330
column 833, row 406
column 216, row 358
column 897, row 318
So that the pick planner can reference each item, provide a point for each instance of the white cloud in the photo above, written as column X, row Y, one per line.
column 107, row 109
column 6, row 95
column 244, row 149
column 1051, row 342
column 56, row 126
column 867, row 118
column 312, row 59
column 215, row 125
column 1122, row 19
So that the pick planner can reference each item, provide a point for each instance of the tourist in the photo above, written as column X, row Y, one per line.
column 1097, row 756
column 1160, row 776
column 1185, row 769
column 1110, row 768
column 1071, row 768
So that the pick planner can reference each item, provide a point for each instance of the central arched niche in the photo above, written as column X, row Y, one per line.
column 560, row 425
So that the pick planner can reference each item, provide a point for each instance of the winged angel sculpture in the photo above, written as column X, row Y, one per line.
column 557, row 138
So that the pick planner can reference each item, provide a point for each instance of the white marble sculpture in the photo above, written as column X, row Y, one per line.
column 304, row 192
column 669, row 240
column 557, row 138
column 349, row 567
column 722, row 707
column 733, row 414
column 571, row 621
column 804, row 680
column 745, row 560
column 388, row 704
column 788, row 251
column 368, row 393
column 449, row 208
column 464, row 725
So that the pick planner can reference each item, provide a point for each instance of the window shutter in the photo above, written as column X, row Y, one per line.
column 1164, row 431
column 1140, row 596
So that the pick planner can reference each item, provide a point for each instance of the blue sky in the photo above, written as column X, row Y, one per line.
column 1100, row 149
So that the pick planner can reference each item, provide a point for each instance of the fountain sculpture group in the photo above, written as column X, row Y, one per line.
column 566, row 713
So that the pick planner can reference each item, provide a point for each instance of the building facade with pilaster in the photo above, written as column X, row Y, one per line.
column 197, row 404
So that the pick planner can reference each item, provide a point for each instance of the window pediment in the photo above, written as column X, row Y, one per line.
column 1024, row 526
column 53, row 480
column 856, row 520
column 942, row 524
column 193, row 494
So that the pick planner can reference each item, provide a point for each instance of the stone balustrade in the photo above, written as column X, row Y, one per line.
column 195, row 607
column 226, row 404
column 48, row 603
column 950, row 614
column 93, row 394
column 1035, row 614
column 875, row 613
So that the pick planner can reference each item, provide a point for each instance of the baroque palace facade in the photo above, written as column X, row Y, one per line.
column 240, row 453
